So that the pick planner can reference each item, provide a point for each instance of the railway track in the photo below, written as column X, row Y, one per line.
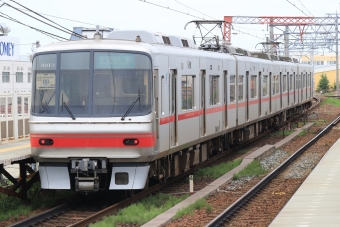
column 270, row 184
column 64, row 215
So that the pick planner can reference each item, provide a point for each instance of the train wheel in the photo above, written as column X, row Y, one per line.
column 45, row 193
column 146, row 187
column 130, row 193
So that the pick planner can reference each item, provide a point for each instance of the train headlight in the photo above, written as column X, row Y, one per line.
column 46, row 142
column 131, row 142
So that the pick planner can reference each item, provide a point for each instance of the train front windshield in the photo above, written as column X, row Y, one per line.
column 82, row 84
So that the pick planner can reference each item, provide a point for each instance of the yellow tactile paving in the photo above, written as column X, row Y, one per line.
column 14, row 148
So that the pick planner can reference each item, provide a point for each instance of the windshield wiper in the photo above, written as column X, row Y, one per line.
column 130, row 108
column 46, row 108
column 69, row 111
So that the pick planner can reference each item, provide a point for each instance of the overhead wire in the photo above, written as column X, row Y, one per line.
column 196, row 16
column 305, row 13
column 68, row 32
column 68, row 19
column 293, row 4
column 72, row 32
column 171, row 9
column 39, row 30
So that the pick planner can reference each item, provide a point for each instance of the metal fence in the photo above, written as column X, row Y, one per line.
column 14, row 116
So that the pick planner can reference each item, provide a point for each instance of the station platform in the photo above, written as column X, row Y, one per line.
column 261, row 153
column 15, row 167
column 317, row 201
column 14, row 151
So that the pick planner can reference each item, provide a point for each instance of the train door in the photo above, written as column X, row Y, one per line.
column 203, row 104
column 280, row 87
column 306, row 85
column 173, row 109
column 157, row 107
column 260, row 95
column 271, row 87
column 288, row 89
column 294, row 87
column 247, row 95
column 225, row 75
column 298, row 87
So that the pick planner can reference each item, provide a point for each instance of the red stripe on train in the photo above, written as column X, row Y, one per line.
column 93, row 140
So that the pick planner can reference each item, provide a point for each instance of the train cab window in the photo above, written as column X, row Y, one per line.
column 253, row 86
column 121, row 81
column 232, row 88
column 214, row 90
column 44, row 84
column 265, row 85
column 188, row 92
column 240, row 88
column 74, row 83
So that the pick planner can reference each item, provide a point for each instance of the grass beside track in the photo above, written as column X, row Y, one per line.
column 331, row 101
column 143, row 211
column 12, row 207
column 279, row 133
column 189, row 210
column 252, row 169
column 217, row 171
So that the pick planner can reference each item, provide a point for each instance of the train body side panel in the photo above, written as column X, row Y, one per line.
column 163, row 104
column 230, row 94
column 213, row 95
column 187, row 105
column 265, row 89
column 240, row 97
column 252, row 97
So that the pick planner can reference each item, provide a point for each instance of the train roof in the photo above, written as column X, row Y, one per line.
column 152, row 38
column 153, row 43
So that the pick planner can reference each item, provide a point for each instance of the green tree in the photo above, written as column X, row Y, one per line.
column 323, row 83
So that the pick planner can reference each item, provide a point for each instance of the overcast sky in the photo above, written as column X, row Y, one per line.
column 141, row 15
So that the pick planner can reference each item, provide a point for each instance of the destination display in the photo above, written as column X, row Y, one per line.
column 114, row 60
column 45, row 81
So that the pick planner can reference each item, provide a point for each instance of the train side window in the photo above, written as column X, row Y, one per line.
column 291, row 82
column 253, row 86
column 284, row 85
column 214, row 90
column 188, row 92
column 276, row 88
column 264, row 85
column 232, row 88
column 240, row 88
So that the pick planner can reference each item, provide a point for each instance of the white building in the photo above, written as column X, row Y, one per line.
column 16, row 71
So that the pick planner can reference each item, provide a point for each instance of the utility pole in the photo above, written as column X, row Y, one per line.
column 271, row 37
column 286, row 37
column 337, row 56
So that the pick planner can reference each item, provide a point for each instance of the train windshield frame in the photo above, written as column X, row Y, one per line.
column 91, row 84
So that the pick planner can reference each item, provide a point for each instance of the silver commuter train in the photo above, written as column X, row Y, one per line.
column 112, row 113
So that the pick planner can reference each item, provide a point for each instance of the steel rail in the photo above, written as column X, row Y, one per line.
column 227, row 213
column 114, row 208
column 41, row 217
column 110, row 210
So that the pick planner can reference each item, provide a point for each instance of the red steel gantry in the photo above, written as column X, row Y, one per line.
column 301, row 22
